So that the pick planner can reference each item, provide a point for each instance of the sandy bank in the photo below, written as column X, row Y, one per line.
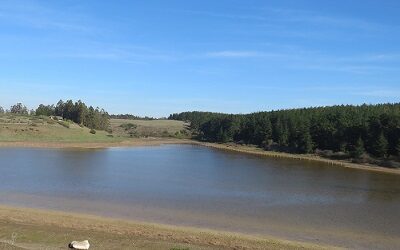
column 37, row 229
column 315, row 158
column 88, row 145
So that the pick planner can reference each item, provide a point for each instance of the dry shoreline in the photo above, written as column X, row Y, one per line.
column 94, row 145
column 26, row 228
column 314, row 158
column 229, row 147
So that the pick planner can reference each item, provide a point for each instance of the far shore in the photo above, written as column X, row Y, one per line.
column 26, row 228
column 151, row 141
column 95, row 145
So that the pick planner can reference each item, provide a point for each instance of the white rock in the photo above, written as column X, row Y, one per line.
column 79, row 244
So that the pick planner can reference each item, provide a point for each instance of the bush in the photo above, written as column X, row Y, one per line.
column 92, row 131
column 128, row 126
column 64, row 124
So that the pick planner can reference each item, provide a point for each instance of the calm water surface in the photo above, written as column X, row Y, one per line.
column 203, row 187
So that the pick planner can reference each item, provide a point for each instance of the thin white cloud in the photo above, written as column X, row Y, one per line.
column 37, row 16
column 242, row 54
column 319, row 18
column 275, row 17
column 345, row 89
column 233, row 54
column 222, row 15
column 388, row 93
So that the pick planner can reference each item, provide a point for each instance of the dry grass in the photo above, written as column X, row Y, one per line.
column 41, row 129
column 39, row 229
column 15, row 128
column 149, row 128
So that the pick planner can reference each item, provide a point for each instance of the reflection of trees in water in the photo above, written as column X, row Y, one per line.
column 370, row 186
column 80, row 164
column 383, row 187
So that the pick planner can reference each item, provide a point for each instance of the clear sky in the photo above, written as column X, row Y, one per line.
column 157, row 57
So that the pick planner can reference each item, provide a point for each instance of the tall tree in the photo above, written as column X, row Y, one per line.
column 357, row 149
column 59, row 109
column 19, row 108
column 380, row 145
column 398, row 147
column 46, row 110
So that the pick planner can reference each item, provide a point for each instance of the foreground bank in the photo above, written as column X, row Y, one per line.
column 22, row 228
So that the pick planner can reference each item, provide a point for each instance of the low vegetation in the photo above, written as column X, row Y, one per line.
column 149, row 128
column 28, row 128
column 131, row 117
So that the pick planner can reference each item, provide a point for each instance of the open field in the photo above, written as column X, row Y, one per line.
column 22, row 228
column 149, row 128
column 15, row 128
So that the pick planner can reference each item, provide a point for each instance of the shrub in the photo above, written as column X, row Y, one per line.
column 92, row 131
column 64, row 124
column 128, row 126
column 50, row 121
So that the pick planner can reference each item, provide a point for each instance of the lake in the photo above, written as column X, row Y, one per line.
column 202, row 187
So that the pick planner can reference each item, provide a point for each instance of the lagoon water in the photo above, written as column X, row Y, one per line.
column 202, row 187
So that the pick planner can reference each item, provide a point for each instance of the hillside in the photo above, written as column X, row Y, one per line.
column 44, row 129
column 21, row 128
column 149, row 128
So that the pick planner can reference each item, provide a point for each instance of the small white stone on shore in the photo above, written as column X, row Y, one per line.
column 79, row 244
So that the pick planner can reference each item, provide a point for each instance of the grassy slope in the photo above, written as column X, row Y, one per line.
column 35, row 129
column 148, row 128
column 41, row 129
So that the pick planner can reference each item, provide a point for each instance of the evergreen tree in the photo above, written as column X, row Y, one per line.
column 337, row 128
column 398, row 147
column 380, row 146
column 46, row 110
column 59, row 109
column 78, row 112
column 358, row 149
column 305, row 142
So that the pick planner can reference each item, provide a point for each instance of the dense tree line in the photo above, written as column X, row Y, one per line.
column 78, row 112
column 374, row 129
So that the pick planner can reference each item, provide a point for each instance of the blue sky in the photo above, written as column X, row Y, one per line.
column 158, row 57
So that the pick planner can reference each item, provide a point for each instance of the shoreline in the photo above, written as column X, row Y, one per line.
column 139, row 142
column 314, row 158
column 94, row 145
column 28, row 228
